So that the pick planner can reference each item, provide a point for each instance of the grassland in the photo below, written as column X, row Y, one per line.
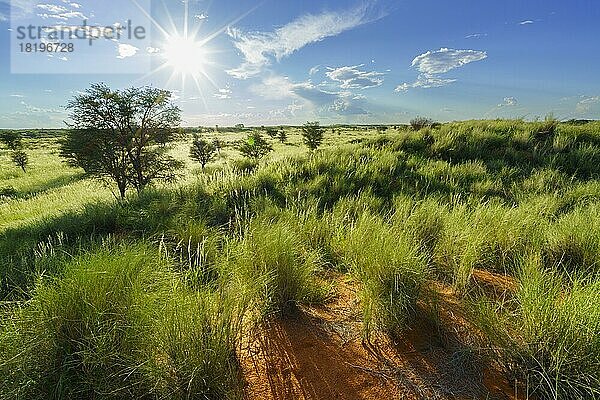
column 154, row 297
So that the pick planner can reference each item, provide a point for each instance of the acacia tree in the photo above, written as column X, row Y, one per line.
column 255, row 146
column 202, row 151
column 19, row 157
column 312, row 134
column 14, row 142
column 123, row 136
column 282, row 136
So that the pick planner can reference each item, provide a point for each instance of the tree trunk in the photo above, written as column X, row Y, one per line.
column 122, row 189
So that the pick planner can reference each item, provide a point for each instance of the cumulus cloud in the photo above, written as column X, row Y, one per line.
column 258, row 48
column 126, row 50
column 280, row 88
column 444, row 60
column 434, row 63
column 352, row 77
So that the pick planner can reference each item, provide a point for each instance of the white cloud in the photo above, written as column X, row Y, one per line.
column 60, row 12
column 34, row 109
column 526, row 22
column 444, row 60
column 201, row 16
column 585, row 104
column 259, row 47
column 152, row 50
column 433, row 63
column 19, row 96
column 476, row 36
column 279, row 88
column 223, row 94
column 425, row 81
column 126, row 50
column 314, row 70
column 351, row 77
column 508, row 102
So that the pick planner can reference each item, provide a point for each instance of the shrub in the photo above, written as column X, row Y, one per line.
column 545, row 131
column 419, row 123
column 19, row 157
column 282, row 136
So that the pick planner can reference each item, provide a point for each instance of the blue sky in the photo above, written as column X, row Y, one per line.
column 336, row 61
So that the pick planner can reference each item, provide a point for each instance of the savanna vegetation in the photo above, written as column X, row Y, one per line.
column 152, row 295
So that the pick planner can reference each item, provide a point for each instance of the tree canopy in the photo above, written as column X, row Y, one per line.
column 123, row 136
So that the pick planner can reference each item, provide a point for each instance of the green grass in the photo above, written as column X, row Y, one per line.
column 390, row 269
column 549, row 334
column 116, row 323
column 149, row 298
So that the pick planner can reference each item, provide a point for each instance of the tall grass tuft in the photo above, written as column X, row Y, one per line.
column 273, row 263
column 391, row 271
column 104, row 329
column 549, row 334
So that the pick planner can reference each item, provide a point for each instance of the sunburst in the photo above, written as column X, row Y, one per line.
column 186, row 53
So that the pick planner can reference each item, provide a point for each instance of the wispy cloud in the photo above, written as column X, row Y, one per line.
column 476, row 36
column 425, row 81
column 352, row 77
column 434, row 63
column 314, row 70
column 258, row 48
column 444, row 60
column 33, row 109
column 201, row 17
column 526, row 22
column 585, row 104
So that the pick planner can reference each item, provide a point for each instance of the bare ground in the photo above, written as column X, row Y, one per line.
column 320, row 354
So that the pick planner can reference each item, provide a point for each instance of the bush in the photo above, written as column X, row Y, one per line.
column 419, row 123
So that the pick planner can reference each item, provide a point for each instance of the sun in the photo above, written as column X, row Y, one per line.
column 185, row 55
